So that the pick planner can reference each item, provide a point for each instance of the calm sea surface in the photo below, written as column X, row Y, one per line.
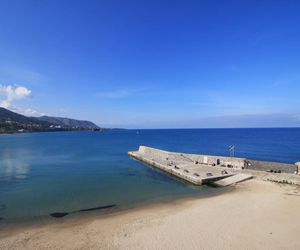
column 42, row 173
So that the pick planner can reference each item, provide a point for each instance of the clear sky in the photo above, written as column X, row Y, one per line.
column 153, row 64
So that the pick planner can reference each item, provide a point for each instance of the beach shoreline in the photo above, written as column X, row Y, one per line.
column 254, row 214
column 13, row 226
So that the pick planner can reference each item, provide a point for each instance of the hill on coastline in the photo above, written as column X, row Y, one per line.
column 62, row 121
column 11, row 122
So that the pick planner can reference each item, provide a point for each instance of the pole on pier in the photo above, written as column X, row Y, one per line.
column 231, row 150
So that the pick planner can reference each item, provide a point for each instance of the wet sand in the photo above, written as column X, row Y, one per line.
column 253, row 215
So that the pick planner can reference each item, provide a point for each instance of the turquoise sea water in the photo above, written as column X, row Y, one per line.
column 42, row 173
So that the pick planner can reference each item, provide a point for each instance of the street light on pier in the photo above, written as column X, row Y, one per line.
column 231, row 150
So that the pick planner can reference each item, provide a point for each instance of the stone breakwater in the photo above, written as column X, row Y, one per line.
column 204, row 169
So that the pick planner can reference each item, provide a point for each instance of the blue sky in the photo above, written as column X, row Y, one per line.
column 153, row 64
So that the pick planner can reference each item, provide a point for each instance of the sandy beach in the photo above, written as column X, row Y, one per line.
column 253, row 215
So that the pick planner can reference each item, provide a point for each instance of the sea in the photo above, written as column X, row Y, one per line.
column 78, row 172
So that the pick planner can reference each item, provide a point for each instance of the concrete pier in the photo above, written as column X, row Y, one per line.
column 205, row 169
column 196, row 169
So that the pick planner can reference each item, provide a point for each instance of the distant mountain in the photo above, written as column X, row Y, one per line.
column 67, row 122
column 11, row 122
column 7, row 116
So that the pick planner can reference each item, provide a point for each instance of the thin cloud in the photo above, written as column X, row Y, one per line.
column 27, row 111
column 125, row 93
column 117, row 94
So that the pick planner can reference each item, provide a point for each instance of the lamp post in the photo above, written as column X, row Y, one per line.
column 231, row 150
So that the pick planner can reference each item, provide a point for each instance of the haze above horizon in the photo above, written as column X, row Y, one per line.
column 153, row 64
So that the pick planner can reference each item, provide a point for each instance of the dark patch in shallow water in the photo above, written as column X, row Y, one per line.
column 97, row 208
column 58, row 215
column 63, row 214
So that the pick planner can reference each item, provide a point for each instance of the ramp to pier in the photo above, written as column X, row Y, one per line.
column 232, row 180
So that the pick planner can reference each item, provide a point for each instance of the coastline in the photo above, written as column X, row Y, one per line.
column 13, row 225
column 253, row 215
